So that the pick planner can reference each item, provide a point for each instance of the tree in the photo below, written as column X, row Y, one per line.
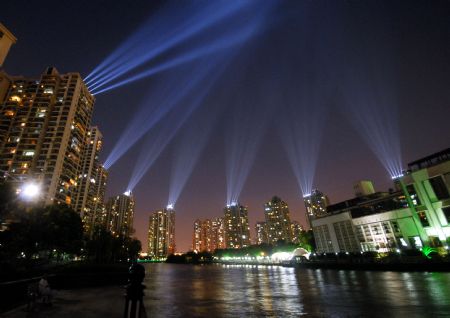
column 8, row 200
column 45, row 230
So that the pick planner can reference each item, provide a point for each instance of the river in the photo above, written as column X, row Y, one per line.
column 273, row 291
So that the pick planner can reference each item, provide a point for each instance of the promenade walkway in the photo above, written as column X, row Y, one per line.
column 86, row 303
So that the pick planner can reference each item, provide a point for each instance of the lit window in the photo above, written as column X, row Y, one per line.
column 29, row 153
column 15, row 98
column 48, row 90
column 423, row 218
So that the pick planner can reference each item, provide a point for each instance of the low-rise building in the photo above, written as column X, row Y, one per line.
column 416, row 214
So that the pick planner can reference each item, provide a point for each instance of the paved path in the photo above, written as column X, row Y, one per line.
column 107, row 301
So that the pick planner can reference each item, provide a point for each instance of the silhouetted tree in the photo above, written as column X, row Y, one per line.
column 8, row 201
column 44, row 230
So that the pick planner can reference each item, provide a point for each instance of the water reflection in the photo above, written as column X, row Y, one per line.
column 273, row 291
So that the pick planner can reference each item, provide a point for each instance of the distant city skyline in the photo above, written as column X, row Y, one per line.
column 410, row 41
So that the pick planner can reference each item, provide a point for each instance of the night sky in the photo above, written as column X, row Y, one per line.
column 297, row 43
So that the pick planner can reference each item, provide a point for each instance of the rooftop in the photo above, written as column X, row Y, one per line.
column 430, row 160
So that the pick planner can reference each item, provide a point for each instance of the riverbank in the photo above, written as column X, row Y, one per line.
column 70, row 276
column 397, row 267
column 86, row 303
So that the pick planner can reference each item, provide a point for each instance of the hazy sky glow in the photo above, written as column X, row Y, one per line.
column 208, row 102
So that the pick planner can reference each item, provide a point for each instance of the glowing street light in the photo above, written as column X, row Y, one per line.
column 30, row 191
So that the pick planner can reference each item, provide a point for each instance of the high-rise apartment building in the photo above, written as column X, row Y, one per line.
column 218, row 234
column 237, row 230
column 89, row 201
column 278, row 221
column 120, row 214
column 297, row 230
column 209, row 235
column 44, row 125
column 261, row 233
column 202, row 238
column 161, row 233
column 316, row 205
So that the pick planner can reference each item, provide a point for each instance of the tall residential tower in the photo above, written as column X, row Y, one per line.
column 90, row 196
column 161, row 233
column 316, row 205
column 237, row 230
column 120, row 214
column 278, row 221
column 44, row 126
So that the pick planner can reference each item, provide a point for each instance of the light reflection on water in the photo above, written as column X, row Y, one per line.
column 273, row 291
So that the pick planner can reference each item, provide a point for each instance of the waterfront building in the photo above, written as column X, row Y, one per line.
column 120, row 214
column 89, row 199
column 278, row 221
column 202, row 237
column 296, row 230
column 316, row 205
column 217, row 234
column 44, row 125
column 261, row 233
column 415, row 215
column 237, row 230
column 161, row 234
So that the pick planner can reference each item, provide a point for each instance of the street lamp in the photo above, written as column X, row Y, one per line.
column 30, row 191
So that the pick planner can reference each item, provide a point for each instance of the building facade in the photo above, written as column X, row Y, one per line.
column 316, row 205
column 416, row 214
column 89, row 200
column 218, row 234
column 161, row 234
column 202, row 237
column 120, row 215
column 44, row 126
column 297, row 230
column 237, row 230
column 7, row 39
column 261, row 233
column 278, row 221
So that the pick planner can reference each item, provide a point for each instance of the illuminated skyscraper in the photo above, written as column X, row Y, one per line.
column 261, row 233
column 218, row 234
column 278, row 221
column 237, row 230
column 90, row 196
column 161, row 233
column 316, row 205
column 44, row 125
column 202, row 238
column 120, row 214
column 297, row 230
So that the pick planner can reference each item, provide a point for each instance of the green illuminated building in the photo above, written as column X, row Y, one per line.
column 415, row 215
